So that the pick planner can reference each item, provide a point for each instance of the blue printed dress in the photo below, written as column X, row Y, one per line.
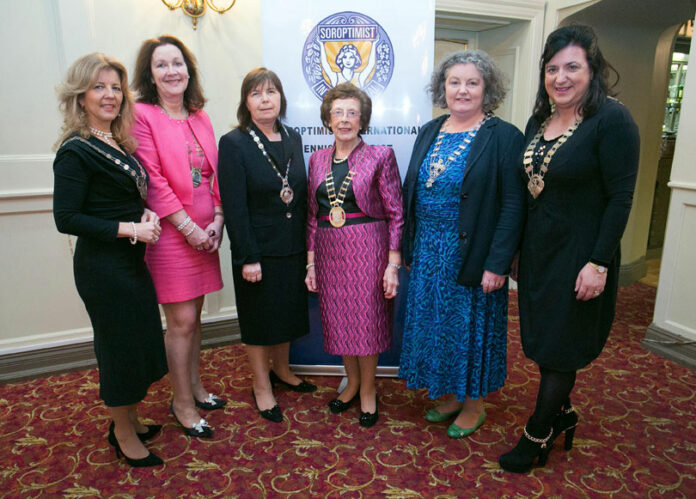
column 455, row 336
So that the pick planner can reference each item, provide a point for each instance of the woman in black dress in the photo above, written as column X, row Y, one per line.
column 263, row 187
column 99, row 194
column 580, row 167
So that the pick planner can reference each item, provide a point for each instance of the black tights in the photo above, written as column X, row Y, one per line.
column 554, row 392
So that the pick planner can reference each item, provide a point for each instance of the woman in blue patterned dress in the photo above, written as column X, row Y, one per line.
column 463, row 204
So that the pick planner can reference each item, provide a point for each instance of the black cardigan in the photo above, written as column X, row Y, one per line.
column 492, row 199
column 256, row 218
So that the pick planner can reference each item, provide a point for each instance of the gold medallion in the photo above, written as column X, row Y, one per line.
column 535, row 185
column 337, row 216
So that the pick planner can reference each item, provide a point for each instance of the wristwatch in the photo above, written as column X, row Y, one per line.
column 599, row 268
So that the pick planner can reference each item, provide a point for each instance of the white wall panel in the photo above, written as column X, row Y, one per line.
column 38, row 301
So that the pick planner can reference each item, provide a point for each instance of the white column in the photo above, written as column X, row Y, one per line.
column 673, row 331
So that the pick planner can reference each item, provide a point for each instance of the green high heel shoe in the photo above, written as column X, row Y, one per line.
column 455, row 431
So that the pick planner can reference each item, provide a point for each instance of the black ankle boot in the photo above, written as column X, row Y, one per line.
column 531, row 445
column 566, row 421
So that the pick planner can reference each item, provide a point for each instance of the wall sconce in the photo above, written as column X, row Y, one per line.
column 196, row 8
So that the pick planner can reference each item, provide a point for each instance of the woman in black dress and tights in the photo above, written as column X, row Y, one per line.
column 580, row 167
column 263, row 187
column 99, row 194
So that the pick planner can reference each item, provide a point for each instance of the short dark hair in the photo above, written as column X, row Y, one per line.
column 347, row 91
column 253, row 79
column 494, row 81
column 585, row 38
column 143, row 81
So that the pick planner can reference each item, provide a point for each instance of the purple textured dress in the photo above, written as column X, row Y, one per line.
column 350, row 260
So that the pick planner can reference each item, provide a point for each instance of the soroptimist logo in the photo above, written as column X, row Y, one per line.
column 348, row 47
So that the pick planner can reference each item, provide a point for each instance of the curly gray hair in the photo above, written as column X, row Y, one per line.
column 493, row 79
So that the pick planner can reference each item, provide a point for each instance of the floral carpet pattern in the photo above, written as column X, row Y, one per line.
column 636, row 437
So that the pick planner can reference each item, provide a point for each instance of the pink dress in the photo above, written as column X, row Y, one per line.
column 179, row 272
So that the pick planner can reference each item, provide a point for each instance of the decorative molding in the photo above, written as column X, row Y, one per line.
column 670, row 346
column 633, row 272
column 687, row 186
column 20, row 194
column 38, row 201
column 26, row 158
column 60, row 359
column 25, row 194
column 509, row 9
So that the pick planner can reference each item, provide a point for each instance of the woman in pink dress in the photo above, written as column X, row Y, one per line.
column 176, row 145
column 354, row 225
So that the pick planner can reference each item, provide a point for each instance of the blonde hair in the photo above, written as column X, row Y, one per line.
column 81, row 76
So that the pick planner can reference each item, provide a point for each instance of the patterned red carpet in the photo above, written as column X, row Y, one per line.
column 637, row 435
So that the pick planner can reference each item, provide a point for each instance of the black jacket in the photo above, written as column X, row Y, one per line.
column 258, row 222
column 492, row 198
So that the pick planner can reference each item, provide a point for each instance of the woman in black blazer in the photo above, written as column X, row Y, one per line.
column 463, row 205
column 263, row 187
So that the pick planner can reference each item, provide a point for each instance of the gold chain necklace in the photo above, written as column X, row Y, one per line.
column 437, row 167
column 536, row 180
column 337, row 215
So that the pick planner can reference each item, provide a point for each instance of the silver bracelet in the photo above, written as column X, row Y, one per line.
column 309, row 266
column 193, row 227
column 396, row 266
column 134, row 239
column 183, row 224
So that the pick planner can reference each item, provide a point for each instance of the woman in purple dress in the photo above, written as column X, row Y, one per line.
column 354, row 226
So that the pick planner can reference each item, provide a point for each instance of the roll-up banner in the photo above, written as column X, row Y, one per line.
column 384, row 47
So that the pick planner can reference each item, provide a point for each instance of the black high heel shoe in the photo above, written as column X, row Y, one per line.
column 302, row 387
column 368, row 419
column 152, row 430
column 201, row 429
column 210, row 403
column 566, row 421
column 337, row 405
column 274, row 414
column 528, row 449
column 149, row 460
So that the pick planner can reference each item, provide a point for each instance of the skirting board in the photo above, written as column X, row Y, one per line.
column 56, row 360
column 670, row 346
column 632, row 272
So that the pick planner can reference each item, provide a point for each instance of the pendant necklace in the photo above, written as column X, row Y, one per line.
column 286, row 193
column 337, row 215
column 436, row 166
column 536, row 180
column 196, row 171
